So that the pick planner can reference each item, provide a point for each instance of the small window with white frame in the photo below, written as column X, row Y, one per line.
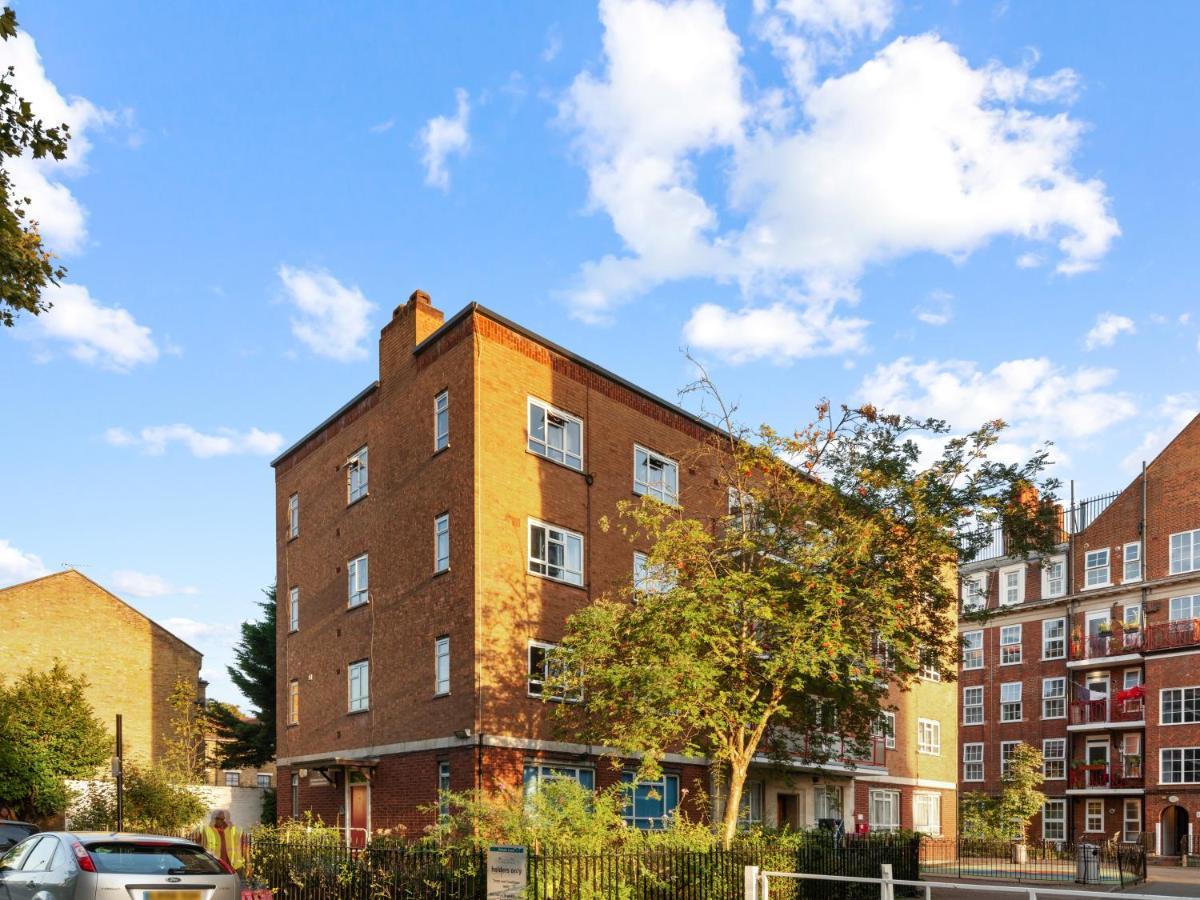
column 441, row 543
column 441, row 421
column 1010, row 702
column 1007, row 749
column 1132, row 558
column 1012, row 586
column 358, row 676
column 233, row 779
column 1054, row 638
column 929, row 737
column 1054, row 577
column 1054, row 759
column 1179, row 706
column 294, row 516
column 1010, row 645
column 655, row 475
column 972, row 652
column 972, row 762
column 885, row 728
column 974, row 589
column 929, row 666
column 358, row 586
column 294, row 609
column 441, row 666
column 927, row 812
column 1054, row 698
column 356, row 476
column 1093, row 817
column 973, row 705
column 555, row 553
column 1185, row 551
column 884, row 810
column 545, row 678
column 1096, row 569
column 1179, row 765
column 1054, row 820
column 649, row 579
column 443, row 791
column 1183, row 609
column 293, row 702
column 263, row 780
column 556, row 435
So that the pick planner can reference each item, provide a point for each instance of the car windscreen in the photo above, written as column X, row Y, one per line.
column 130, row 858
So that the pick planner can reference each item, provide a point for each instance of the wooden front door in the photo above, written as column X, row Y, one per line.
column 360, row 800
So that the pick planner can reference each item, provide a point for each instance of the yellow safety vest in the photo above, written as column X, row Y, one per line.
column 233, row 844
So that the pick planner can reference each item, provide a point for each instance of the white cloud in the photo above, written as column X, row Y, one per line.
column 130, row 583
column 915, row 151
column 807, row 34
column 1039, row 400
column 553, row 44
column 382, row 127
column 192, row 630
column 333, row 319
column 1166, row 421
column 781, row 332
column 1029, row 261
column 106, row 336
column 443, row 136
column 937, row 310
column 60, row 216
column 155, row 439
column 17, row 566
column 1106, row 330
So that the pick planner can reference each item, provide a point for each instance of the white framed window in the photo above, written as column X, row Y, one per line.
column 293, row 702
column 1095, row 569
column 1010, row 702
column 294, row 516
column 1185, row 551
column 441, row 421
column 544, row 679
column 1093, row 817
column 648, row 579
column 649, row 805
column 1054, row 759
column 1185, row 608
column 1132, row 569
column 828, row 801
column 885, row 728
column 974, row 592
column 444, row 790
column 1131, row 678
column 358, row 676
column 555, row 553
column 556, row 435
column 441, row 666
column 295, row 795
column 1010, row 645
column 750, row 810
column 358, row 586
column 884, row 810
column 929, row 737
column 441, row 543
column 1007, row 749
column 356, row 476
column 1054, row 638
column 929, row 668
column 537, row 774
column 1179, row 706
column 1054, row 820
column 1054, row 698
column 1132, row 820
column 1054, row 577
column 655, row 475
column 233, row 779
column 1131, row 614
column 972, row 657
column 927, row 812
column 1012, row 586
column 1179, row 765
column 973, row 705
column 294, row 609
column 972, row 762
column 263, row 781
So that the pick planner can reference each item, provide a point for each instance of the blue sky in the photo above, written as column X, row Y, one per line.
column 969, row 210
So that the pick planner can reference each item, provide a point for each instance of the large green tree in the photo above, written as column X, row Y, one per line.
column 26, row 266
column 778, row 628
column 242, row 741
column 48, row 733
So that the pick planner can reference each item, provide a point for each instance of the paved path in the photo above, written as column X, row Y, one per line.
column 1164, row 881
column 1169, row 881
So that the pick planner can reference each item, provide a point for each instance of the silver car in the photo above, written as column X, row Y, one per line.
column 58, row 865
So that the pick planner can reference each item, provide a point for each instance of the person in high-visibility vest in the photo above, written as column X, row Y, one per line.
column 223, row 840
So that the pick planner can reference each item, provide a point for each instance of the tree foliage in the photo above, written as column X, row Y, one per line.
column 184, row 757
column 1007, row 816
column 249, row 743
column 154, row 803
column 48, row 733
column 26, row 266
column 777, row 629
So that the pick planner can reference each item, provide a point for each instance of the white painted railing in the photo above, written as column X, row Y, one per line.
column 757, row 885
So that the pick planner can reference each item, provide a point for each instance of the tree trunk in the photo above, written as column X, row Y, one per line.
column 733, row 802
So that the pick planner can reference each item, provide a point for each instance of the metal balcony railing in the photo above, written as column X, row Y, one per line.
column 1105, row 776
column 1098, row 712
column 1167, row 635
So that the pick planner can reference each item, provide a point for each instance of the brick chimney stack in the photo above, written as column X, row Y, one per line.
column 411, row 323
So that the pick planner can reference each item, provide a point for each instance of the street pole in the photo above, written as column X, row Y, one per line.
column 120, row 773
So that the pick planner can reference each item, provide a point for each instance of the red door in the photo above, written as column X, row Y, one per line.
column 359, row 803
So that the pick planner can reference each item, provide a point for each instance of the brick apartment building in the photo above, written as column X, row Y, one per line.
column 1093, row 657
column 434, row 534
column 131, row 671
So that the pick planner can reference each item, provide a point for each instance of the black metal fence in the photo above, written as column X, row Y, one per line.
column 331, row 871
column 1114, row 863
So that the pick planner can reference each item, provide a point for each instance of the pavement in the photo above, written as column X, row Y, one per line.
column 1169, row 881
column 1162, row 881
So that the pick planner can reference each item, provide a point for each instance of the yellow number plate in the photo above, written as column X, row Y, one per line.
column 173, row 895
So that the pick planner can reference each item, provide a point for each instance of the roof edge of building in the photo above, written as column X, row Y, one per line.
column 369, row 389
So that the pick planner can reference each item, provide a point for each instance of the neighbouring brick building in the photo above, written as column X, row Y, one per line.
column 434, row 534
column 131, row 662
column 1093, row 657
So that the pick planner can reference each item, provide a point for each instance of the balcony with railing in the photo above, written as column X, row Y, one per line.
column 1115, row 776
column 992, row 542
column 1169, row 635
column 1107, row 711
column 1098, row 646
